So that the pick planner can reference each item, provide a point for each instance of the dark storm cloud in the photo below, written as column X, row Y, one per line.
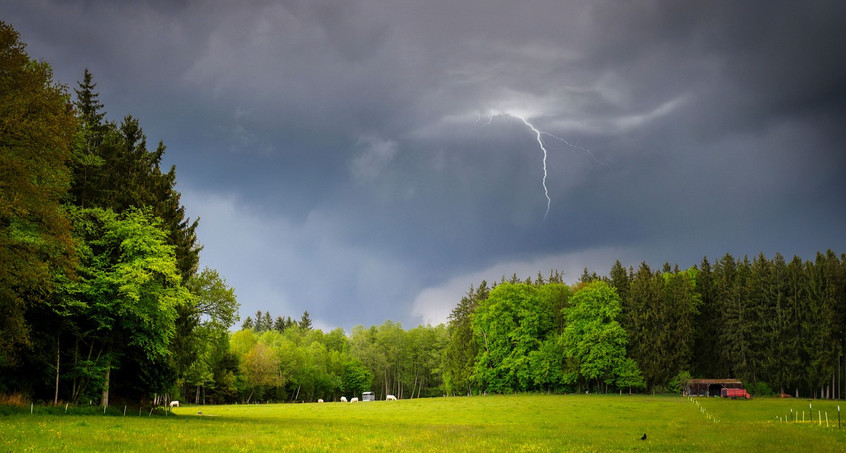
column 350, row 158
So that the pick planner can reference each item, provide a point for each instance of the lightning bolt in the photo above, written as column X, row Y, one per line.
column 589, row 152
column 543, row 148
column 539, row 137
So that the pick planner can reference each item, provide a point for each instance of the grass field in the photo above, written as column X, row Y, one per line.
column 490, row 423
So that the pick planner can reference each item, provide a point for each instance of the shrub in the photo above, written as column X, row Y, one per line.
column 760, row 389
column 678, row 382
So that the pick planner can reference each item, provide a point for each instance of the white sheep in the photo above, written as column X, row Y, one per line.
column 174, row 404
column 320, row 400
column 390, row 398
column 343, row 399
column 354, row 400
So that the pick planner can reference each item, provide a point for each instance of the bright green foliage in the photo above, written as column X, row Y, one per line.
column 406, row 364
column 242, row 341
column 308, row 364
column 627, row 375
column 261, row 368
column 356, row 379
column 462, row 347
column 204, row 328
column 593, row 338
column 125, row 299
column 510, row 326
column 215, row 303
column 112, row 168
column 128, row 280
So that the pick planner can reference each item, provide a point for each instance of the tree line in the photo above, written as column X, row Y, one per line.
column 280, row 363
column 101, row 296
column 778, row 326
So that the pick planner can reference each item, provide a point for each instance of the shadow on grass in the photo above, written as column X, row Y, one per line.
column 112, row 411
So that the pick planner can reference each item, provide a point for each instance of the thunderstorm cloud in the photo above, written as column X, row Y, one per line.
column 365, row 160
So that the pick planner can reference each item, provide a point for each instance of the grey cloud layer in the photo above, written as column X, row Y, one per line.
column 358, row 142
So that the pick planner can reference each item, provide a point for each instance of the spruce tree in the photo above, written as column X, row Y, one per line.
column 305, row 321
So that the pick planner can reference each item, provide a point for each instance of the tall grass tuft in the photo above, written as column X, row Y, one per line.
column 14, row 399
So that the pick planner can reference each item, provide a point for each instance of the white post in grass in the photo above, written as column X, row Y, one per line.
column 124, row 411
column 819, row 417
column 30, row 408
column 66, row 408
column 826, row 419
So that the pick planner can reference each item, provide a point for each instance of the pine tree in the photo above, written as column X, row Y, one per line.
column 736, row 339
column 682, row 307
column 762, row 301
column 708, row 325
column 112, row 168
column 642, row 303
column 620, row 280
column 305, row 321
column 817, row 324
column 259, row 322
column 782, row 361
column 279, row 324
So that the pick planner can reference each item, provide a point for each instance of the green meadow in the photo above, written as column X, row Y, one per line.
column 483, row 423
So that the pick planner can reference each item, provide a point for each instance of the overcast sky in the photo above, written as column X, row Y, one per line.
column 366, row 160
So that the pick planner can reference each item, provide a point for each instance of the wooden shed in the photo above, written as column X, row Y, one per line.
column 710, row 387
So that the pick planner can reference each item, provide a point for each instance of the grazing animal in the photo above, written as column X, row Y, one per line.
column 390, row 398
column 644, row 437
column 343, row 399
column 354, row 400
column 320, row 400
column 174, row 404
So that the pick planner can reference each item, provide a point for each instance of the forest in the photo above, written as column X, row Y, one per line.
column 102, row 298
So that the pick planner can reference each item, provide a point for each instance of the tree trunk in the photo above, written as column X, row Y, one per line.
column 56, row 395
column 197, row 396
column 105, row 399
column 75, row 365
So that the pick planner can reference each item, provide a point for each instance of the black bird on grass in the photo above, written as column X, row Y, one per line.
column 644, row 437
